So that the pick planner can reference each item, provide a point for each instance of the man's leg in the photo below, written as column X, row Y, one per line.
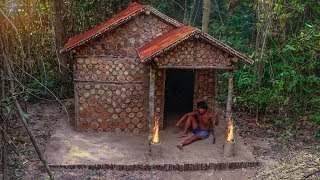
column 190, row 140
column 190, row 123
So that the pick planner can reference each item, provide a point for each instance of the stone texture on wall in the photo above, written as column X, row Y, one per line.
column 123, row 41
column 104, row 69
column 205, row 88
column 111, row 82
column 108, row 98
column 194, row 52
column 160, row 95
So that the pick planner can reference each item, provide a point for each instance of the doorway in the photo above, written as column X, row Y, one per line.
column 179, row 91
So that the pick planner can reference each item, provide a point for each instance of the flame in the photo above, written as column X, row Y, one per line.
column 230, row 130
column 155, row 135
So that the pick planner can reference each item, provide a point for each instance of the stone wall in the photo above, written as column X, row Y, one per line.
column 160, row 80
column 204, row 90
column 111, row 83
column 194, row 52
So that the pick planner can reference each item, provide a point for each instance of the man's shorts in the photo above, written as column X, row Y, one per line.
column 203, row 133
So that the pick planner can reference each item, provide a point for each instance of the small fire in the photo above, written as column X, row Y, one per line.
column 155, row 135
column 230, row 130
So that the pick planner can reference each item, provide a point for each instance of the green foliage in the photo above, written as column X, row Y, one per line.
column 90, row 13
column 318, row 149
column 42, row 87
column 21, row 138
column 289, row 90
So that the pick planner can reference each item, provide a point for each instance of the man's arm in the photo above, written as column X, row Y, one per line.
column 184, row 117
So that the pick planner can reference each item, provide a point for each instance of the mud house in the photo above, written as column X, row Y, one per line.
column 142, row 63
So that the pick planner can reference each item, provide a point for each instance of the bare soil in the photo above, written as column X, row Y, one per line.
column 294, row 159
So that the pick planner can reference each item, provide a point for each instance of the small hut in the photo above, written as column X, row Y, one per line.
column 140, row 64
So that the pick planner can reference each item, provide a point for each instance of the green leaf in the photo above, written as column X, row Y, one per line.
column 25, row 115
column 289, row 47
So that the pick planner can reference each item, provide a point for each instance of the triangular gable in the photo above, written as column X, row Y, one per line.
column 125, row 15
column 176, row 36
column 162, row 42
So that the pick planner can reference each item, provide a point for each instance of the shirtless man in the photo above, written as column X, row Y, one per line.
column 200, row 121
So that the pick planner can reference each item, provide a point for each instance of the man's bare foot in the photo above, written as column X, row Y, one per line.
column 180, row 146
column 182, row 135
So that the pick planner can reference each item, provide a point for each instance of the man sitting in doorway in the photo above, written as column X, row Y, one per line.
column 200, row 121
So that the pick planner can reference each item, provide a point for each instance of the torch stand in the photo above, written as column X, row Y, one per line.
column 155, row 148
column 228, row 149
column 155, row 151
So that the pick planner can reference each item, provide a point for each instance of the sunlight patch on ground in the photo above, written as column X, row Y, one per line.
column 75, row 153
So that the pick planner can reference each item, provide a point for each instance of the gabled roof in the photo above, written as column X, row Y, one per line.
column 164, row 41
column 125, row 15
column 176, row 36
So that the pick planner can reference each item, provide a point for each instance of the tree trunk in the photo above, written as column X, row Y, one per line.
column 231, row 4
column 206, row 15
column 264, row 13
column 59, row 30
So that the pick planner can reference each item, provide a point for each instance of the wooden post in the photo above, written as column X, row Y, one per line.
column 214, row 109
column 230, row 92
column 151, row 100
column 76, row 119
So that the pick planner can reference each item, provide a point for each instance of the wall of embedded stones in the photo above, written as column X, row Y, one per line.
column 111, row 82
column 194, row 52
column 160, row 79
column 205, row 89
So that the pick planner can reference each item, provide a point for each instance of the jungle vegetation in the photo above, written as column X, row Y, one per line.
column 281, row 89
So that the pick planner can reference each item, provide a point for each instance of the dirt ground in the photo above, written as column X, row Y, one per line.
column 68, row 147
column 296, row 160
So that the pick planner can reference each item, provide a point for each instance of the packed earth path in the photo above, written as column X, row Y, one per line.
column 298, row 161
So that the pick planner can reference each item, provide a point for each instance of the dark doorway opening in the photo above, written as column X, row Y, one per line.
column 179, row 93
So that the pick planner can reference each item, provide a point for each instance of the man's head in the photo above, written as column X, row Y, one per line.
column 202, row 107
